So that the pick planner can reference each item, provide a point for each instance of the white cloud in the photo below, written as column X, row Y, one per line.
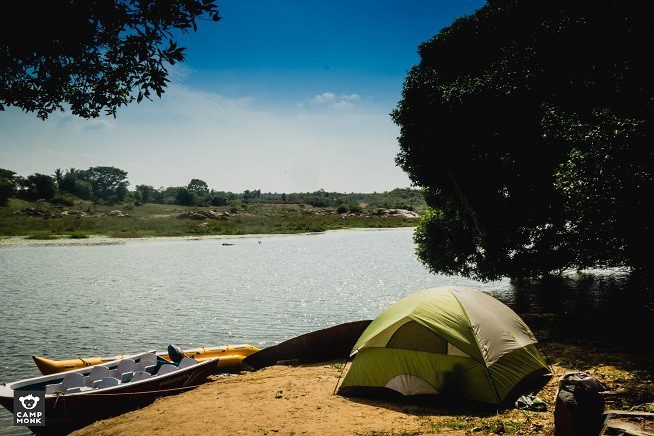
column 98, row 124
column 324, row 98
column 231, row 143
column 332, row 101
column 351, row 97
column 342, row 104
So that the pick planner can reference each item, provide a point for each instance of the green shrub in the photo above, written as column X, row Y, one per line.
column 341, row 209
column 42, row 235
column 355, row 208
column 62, row 201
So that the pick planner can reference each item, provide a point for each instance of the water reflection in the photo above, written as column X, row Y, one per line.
column 604, row 306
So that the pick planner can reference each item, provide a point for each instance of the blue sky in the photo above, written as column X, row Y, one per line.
column 287, row 95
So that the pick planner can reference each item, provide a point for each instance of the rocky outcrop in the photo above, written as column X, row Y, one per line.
column 403, row 213
column 31, row 211
column 203, row 215
column 117, row 213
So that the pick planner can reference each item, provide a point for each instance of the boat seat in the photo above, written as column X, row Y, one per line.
column 186, row 362
column 108, row 382
column 71, row 380
column 147, row 363
column 167, row 368
column 74, row 390
column 140, row 375
column 97, row 373
column 124, row 370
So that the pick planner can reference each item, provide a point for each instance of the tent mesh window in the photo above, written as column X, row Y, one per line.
column 413, row 336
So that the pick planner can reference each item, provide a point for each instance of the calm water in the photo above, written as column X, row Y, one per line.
column 63, row 301
column 108, row 299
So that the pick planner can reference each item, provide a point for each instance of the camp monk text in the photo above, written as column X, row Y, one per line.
column 29, row 418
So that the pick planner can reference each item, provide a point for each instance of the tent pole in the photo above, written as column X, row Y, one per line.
column 488, row 373
column 340, row 375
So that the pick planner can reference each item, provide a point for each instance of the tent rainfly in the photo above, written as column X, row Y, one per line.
column 448, row 340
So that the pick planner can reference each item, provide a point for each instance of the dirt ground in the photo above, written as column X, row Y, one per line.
column 299, row 400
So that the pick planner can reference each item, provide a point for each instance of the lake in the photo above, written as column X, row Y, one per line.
column 84, row 300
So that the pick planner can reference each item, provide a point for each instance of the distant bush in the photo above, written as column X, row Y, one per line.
column 219, row 200
column 404, row 206
column 233, row 209
column 42, row 235
column 185, row 197
column 62, row 201
column 78, row 235
column 355, row 208
column 351, row 208
column 318, row 201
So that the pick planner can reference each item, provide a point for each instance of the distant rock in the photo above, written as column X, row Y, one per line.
column 403, row 213
column 31, row 211
column 202, row 215
column 76, row 212
column 117, row 213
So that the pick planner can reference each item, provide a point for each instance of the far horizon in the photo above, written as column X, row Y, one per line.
column 266, row 100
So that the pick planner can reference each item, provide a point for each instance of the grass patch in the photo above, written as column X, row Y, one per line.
column 162, row 220
column 475, row 424
column 42, row 236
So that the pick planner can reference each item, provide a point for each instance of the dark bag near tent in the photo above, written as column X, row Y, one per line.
column 579, row 405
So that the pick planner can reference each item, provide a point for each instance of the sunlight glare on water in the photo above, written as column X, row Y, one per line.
column 62, row 301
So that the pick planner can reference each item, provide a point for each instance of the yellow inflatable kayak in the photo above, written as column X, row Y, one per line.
column 231, row 357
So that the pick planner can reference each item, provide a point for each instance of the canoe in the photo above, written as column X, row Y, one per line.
column 231, row 358
column 323, row 345
column 75, row 398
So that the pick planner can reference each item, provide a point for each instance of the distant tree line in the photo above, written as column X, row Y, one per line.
column 105, row 185
column 108, row 185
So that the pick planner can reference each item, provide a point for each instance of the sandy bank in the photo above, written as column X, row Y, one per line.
column 299, row 400
column 106, row 240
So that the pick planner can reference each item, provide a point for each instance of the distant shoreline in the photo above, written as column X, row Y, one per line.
column 7, row 241
column 106, row 225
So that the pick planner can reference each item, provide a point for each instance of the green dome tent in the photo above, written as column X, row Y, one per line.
column 447, row 340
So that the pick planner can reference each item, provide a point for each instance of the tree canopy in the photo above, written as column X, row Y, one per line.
column 198, row 186
column 7, row 185
column 530, row 126
column 106, row 184
column 39, row 186
column 91, row 56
